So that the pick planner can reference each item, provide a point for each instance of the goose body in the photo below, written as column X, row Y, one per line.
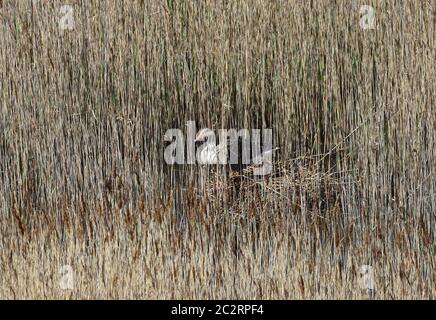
column 210, row 153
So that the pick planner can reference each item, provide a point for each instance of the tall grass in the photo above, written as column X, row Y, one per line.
column 82, row 176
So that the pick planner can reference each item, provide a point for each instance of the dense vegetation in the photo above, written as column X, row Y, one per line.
column 82, row 177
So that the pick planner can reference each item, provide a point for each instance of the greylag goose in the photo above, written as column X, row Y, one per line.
column 211, row 153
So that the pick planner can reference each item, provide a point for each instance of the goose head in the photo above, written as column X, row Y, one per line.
column 204, row 134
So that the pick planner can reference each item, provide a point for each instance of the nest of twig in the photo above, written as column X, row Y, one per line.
column 303, row 181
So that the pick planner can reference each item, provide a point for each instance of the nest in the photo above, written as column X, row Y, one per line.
column 307, row 178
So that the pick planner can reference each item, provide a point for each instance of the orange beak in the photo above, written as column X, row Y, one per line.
column 198, row 138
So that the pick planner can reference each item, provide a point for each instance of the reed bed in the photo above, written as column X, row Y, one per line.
column 83, row 183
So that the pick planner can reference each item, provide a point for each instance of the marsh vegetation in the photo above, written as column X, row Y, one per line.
column 82, row 177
